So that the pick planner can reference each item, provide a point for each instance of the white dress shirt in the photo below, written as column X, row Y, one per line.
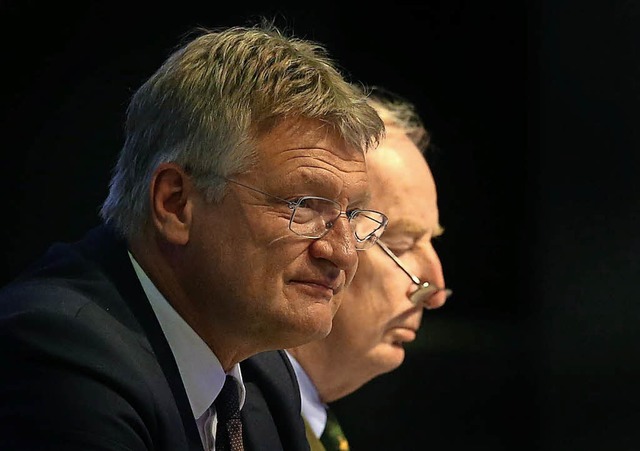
column 200, row 370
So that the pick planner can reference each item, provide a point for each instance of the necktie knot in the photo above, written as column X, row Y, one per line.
column 229, row 429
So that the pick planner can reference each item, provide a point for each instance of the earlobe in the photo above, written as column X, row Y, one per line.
column 171, row 206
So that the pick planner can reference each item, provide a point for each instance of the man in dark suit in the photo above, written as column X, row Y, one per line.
column 234, row 217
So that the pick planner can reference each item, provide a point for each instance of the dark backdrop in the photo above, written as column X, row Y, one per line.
column 533, row 108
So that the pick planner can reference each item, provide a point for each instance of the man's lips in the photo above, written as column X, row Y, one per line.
column 403, row 335
column 321, row 286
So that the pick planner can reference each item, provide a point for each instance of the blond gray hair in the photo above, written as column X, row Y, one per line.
column 397, row 110
column 207, row 104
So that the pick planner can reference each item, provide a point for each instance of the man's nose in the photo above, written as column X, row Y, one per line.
column 338, row 245
column 430, row 270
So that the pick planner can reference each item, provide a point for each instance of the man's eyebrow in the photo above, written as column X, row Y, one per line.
column 413, row 228
column 407, row 226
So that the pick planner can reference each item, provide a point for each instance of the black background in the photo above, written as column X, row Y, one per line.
column 533, row 109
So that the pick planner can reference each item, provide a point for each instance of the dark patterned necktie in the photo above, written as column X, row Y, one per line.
column 332, row 437
column 229, row 429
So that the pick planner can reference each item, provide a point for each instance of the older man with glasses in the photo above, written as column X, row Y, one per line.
column 234, row 218
column 396, row 280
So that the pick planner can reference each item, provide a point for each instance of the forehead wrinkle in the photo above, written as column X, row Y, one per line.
column 315, row 175
column 328, row 156
column 309, row 172
column 327, row 165
column 315, row 162
column 325, row 170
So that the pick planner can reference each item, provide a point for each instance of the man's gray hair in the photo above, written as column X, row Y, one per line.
column 209, row 102
column 396, row 110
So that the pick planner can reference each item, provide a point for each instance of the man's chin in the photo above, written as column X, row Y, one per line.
column 393, row 358
column 309, row 332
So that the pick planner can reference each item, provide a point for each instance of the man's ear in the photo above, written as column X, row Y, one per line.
column 171, row 203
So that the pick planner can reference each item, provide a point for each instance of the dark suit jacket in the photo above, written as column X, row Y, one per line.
column 267, row 413
column 85, row 365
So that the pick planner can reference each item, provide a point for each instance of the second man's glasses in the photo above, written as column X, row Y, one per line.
column 425, row 290
column 313, row 217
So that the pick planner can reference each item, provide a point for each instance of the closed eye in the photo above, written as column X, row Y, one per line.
column 398, row 248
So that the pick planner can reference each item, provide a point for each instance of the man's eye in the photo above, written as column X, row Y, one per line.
column 398, row 249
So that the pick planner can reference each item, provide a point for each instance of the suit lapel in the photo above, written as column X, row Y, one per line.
column 111, row 252
column 272, row 406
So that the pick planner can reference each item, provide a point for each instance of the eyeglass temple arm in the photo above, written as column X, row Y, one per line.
column 288, row 202
column 399, row 263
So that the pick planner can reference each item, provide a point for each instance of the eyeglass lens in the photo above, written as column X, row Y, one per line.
column 313, row 217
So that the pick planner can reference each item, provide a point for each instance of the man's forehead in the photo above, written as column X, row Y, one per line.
column 303, row 132
column 330, row 182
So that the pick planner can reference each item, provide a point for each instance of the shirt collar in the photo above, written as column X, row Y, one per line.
column 200, row 370
column 313, row 409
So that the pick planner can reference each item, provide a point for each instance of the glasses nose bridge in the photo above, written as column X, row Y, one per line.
column 352, row 226
column 341, row 213
column 337, row 216
column 348, row 234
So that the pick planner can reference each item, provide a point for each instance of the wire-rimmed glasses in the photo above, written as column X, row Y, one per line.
column 425, row 290
column 313, row 217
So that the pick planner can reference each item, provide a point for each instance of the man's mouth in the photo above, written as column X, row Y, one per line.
column 316, row 288
column 403, row 335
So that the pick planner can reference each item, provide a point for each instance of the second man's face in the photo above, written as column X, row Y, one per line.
column 376, row 317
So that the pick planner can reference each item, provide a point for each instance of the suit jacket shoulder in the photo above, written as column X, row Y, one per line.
column 85, row 363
